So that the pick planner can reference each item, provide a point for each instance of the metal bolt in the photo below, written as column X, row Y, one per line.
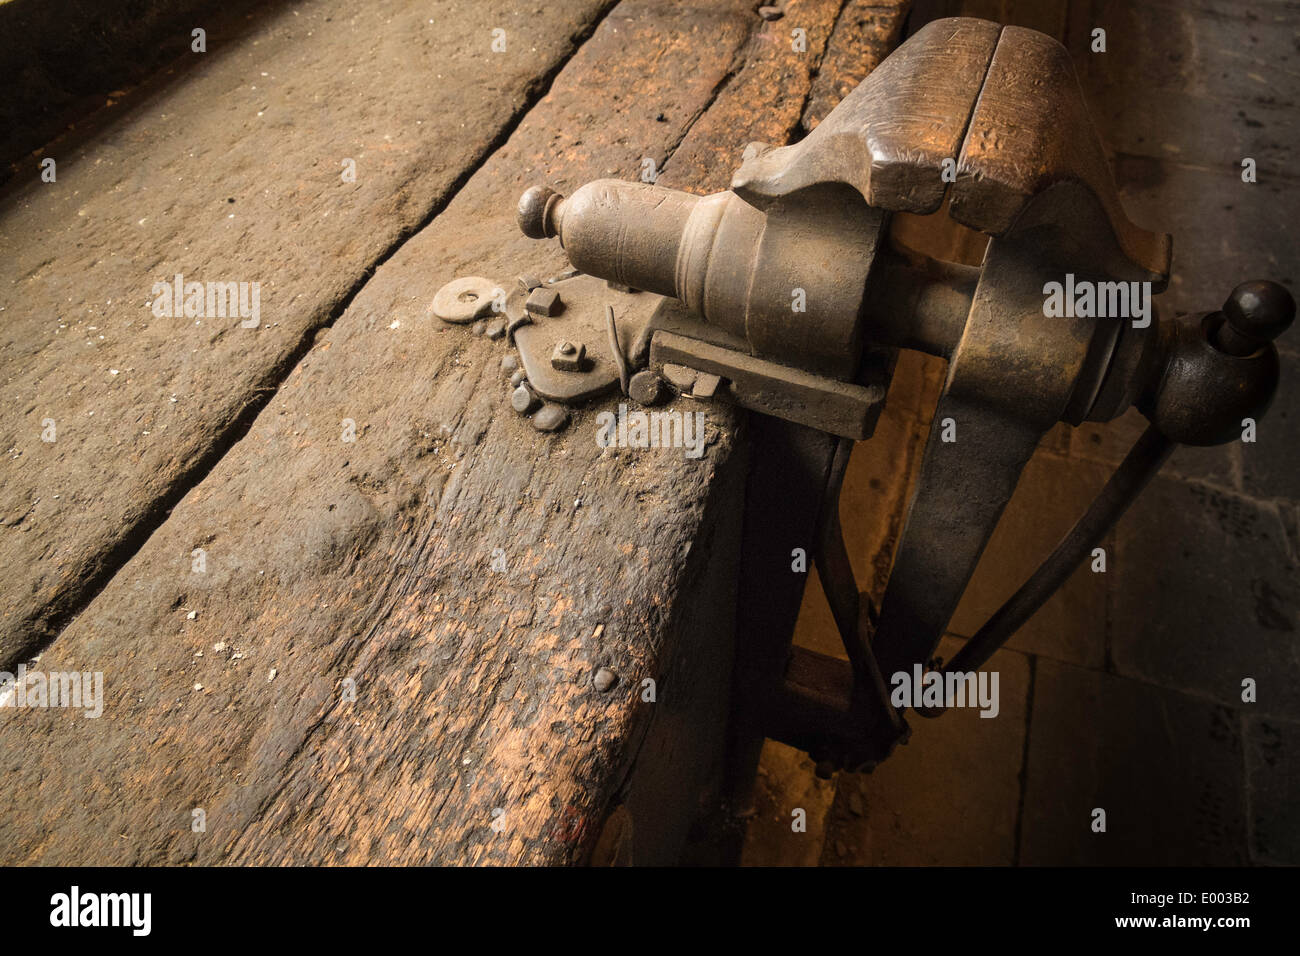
column 646, row 387
column 523, row 399
column 569, row 356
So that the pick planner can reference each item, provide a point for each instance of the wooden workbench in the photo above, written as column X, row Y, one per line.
column 277, row 543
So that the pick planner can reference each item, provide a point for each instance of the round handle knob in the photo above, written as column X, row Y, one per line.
column 1255, row 314
column 537, row 212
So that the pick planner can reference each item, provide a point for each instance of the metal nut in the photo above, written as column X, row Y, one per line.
column 544, row 302
column 569, row 356
column 646, row 387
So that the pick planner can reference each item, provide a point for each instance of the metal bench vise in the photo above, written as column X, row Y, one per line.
column 784, row 295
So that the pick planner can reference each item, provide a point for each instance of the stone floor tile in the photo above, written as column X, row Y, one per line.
column 1166, row 769
column 1205, row 593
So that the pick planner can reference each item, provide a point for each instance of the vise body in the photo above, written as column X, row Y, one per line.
column 786, row 295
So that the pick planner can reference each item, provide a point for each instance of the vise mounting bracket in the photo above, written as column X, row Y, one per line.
column 785, row 295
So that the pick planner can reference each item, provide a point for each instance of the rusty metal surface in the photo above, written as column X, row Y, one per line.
column 1031, row 132
column 789, row 279
column 781, row 295
column 845, row 409
column 889, row 138
column 1010, row 379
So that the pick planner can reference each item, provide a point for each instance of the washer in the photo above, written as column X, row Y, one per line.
column 465, row 299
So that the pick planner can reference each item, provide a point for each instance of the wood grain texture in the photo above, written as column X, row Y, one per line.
column 232, row 173
column 865, row 32
column 371, row 560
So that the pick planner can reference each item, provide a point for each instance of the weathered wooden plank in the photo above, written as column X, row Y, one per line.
column 235, row 174
column 61, row 59
column 371, row 560
column 780, row 58
column 865, row 32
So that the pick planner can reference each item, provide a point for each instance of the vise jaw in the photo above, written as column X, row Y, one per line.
column 787, row 292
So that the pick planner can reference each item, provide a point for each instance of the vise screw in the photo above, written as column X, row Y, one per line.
column 784, row 295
